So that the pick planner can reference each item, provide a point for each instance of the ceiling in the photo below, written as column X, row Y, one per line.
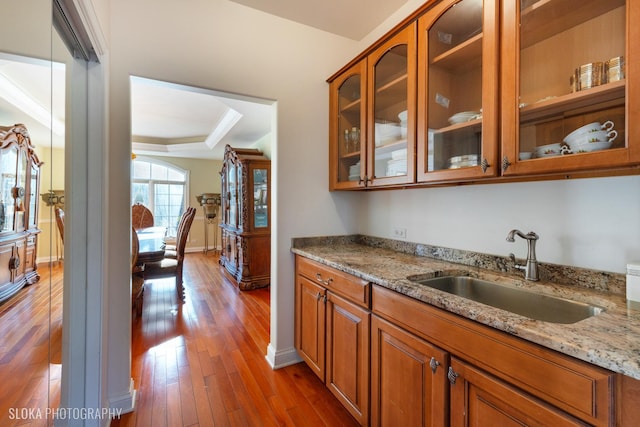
column 174, row 120
column 183, row 121
column 353, row 19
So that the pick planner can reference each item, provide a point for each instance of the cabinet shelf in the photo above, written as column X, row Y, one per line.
column 545, row 18
column 352, row 107
column 384, row 151
column 458, row 126
column 467, row 54
column 583, row 99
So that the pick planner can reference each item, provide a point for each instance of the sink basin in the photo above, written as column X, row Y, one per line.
column 519, row 301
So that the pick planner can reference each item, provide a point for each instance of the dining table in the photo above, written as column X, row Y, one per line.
column 151, row 244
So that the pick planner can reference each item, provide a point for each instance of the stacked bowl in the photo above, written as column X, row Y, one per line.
column 595, row 136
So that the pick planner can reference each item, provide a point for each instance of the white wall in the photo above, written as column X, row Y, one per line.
column 589, row 223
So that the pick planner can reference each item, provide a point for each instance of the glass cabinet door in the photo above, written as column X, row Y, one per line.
column 20, row 191
column 348, row 128
column 260, row 198
column 232, row 194
column 570, row 73
column 392, row 70
column 8, row 167
column 33, row 197
column 457, row 91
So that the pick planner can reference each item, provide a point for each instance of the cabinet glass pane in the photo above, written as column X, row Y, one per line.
column 8, row 165
column 22, row 183
column 33, row 198
column 572, row 69
column 232, row 195
column 349, row 126
column 260, row 198
column 390, row 113
column 455, row 87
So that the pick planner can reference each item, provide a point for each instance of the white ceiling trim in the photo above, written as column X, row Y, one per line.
column 224, row 125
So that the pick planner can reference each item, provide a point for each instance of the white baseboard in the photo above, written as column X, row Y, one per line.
column 47, row 260
column 126, row 402
column 192, row 249
column 280, row 359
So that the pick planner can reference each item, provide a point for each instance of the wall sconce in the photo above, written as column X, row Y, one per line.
column 53, row 198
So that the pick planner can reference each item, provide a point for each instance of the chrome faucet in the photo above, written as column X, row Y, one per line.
column 531, row 267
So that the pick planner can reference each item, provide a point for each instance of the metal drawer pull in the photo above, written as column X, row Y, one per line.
column 452, row 375
column 434, row 364
column 324, row 282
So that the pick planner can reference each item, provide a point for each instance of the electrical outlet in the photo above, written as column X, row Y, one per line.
column 399, row 233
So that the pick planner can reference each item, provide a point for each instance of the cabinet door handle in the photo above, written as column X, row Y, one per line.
column 324, row 282
column 484, row 165
column 505, row 163
column 434, row 364
column 452, row 375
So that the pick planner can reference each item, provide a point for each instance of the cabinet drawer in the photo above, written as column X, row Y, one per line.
column 343, row 284
column 576, row 387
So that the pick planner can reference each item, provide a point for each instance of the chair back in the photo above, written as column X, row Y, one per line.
column 60, row 222
column 135, row 248
column 141, row 216
column 183, row 230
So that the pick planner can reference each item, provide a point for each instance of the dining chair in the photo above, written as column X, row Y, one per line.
column 172, row 267
column 60, row 222
column 141, row 216
column 137, row 278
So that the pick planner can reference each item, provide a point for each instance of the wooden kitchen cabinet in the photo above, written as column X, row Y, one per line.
column 372, row 117
column 246, row 217
column 19, row 186
column 348, row 131
column 332, row 326
column 408, row 378
column 481, row 400
column 545, row 96
column 458, row 113
column 497, row 377
column 499, row 88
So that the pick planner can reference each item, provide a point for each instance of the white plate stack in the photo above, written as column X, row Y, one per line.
column 398, row 163
column 354, row 172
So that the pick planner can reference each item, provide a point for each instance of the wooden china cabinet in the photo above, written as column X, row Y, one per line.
column 246, row 217
column 499, row 87
column 19, row 186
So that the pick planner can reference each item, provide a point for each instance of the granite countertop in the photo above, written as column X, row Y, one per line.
column 610, row 339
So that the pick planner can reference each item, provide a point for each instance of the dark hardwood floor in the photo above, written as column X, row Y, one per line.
column 201, row 363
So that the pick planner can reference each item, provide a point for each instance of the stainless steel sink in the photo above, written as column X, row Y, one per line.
column 519, row 301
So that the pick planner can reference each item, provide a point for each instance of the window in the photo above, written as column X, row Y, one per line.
column 161, row 187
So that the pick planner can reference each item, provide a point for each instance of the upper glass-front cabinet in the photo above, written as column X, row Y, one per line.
column 457, row 82
column 566, row 89
column 391, row 74
column 348, row 128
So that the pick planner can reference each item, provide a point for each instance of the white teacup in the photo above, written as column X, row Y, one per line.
column 579, row 135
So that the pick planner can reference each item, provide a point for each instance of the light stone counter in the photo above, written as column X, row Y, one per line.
column 610, row 339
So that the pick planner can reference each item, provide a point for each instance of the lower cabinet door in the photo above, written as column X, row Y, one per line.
column 347, row 359
column 408, row 378
column 478, row 399
column 310, row 324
